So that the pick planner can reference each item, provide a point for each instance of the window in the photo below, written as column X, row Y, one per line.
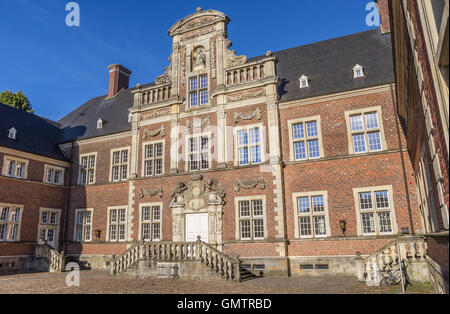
column 248, row 145
column 366, row 132
column 199, row 152
column 83, row 225
column 53, row 175
column 99, row 124
column 305, row 137
column 304, row 82
column 10, row 217
column 358, row 71
column 198, row 91
column 153, row 159
column 311, row 213
column 251, row 218
column 130, row 117
column 15, row 167
column 151, row 222
column 49, row 226
column 12, row 133
column 119, row 164
column 375, row 211
column 117, row 224
column 87, row 169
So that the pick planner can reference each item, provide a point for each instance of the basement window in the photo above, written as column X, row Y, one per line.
column 259, row 266
column 307, row 267
column 322, row 267
column 246, row 266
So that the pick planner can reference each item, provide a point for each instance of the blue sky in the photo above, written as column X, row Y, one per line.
column 59, row 67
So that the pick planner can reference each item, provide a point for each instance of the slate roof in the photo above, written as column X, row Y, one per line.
column 328, row 65
column 35, row 135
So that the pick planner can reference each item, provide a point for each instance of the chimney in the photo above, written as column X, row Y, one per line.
column 119, row 77
column 383, row 7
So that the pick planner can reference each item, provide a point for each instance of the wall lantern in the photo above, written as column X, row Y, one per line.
column 97, row 234
column 343, row 225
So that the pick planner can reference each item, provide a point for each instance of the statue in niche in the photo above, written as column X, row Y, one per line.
column 199, row 57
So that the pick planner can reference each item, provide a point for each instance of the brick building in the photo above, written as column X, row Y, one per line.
column 421, row 49
column 294, row 160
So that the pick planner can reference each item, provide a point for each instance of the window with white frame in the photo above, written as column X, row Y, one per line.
column 12, row 133
column 87, row 169
column 306, row 139
column 117, row 224
column 366, row 133
column 49, row 225
column 119, row 165
column 151, row 223
column 199, row 152
column 358, row 71
column 15, row 167
column 198, row 90
column 375, row 211
column 248, row 146
column 153, row 159
column 304, row 82
column 83, row 225
column 251, row 219
column 10, row 217
column 53, row 175
column 311, row 212
column 100, row 124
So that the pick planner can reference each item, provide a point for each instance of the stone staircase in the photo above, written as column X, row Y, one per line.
column 407, row 250
column 191, row 257
column 56, row 261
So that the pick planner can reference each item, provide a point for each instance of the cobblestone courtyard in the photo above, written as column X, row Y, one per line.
column 101, row 282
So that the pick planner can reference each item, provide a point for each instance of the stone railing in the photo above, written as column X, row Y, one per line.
column 225, row 266
column 154, row 94
column 402, row 250
column 56, row 260
column 244, row 74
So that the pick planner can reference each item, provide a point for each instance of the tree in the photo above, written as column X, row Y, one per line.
column 17, row 100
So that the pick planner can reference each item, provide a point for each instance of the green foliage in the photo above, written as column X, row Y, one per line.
column 17, row 100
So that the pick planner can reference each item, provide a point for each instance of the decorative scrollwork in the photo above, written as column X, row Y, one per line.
column 249, row 184
column 151, row 133
column 151, row 193
column 248, row 115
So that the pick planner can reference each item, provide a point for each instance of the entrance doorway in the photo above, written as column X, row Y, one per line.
column 197, row 225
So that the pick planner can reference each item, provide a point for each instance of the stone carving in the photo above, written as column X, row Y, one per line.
column 166, row 78
column 247, row 95
column 249, row 184
column 247, row 115
column 151, row 133
column 196, row 23
column 197, row 34
column 155, row 114
column 232, row 60
column 213, row 59
column 183, row 66
column 151, row 193
column 199, row 57
column 197, row 194
column 198, row 123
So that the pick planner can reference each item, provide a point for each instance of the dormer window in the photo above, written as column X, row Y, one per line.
column 304, row 82
column 100, row 124
column 12, row 133
column 130, row 117
column 358, row 71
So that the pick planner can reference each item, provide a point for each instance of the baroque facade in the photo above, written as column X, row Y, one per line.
column 295, row 160
column 421, row 49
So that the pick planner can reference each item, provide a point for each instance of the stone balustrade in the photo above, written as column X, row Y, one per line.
column 56, row 260
column 244, row 74
column 154, row 94
column 225, row 266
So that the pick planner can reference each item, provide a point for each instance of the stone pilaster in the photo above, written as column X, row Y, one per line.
column 221, row 137
column 174, row 142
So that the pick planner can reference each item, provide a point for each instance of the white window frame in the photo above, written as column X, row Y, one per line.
column 363, row 112
column 292, row 141
column 48, row 168
column 262, row 135
column 9, row 223
column 117, row 223
column 83, row 225
column 197, row 90
column 120, row 164
column 49, row 225
column 374, row 210
column 99, row 124
column 88, row 168
column 7, row 160
column 144, row 160
column 357, row 68
column 151, row 221
column 188, row 153
column 303, row 79
column 237, row 201
column 311, row 214
column 12, row 132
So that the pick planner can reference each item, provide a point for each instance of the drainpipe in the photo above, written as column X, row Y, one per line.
column 69, row 188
